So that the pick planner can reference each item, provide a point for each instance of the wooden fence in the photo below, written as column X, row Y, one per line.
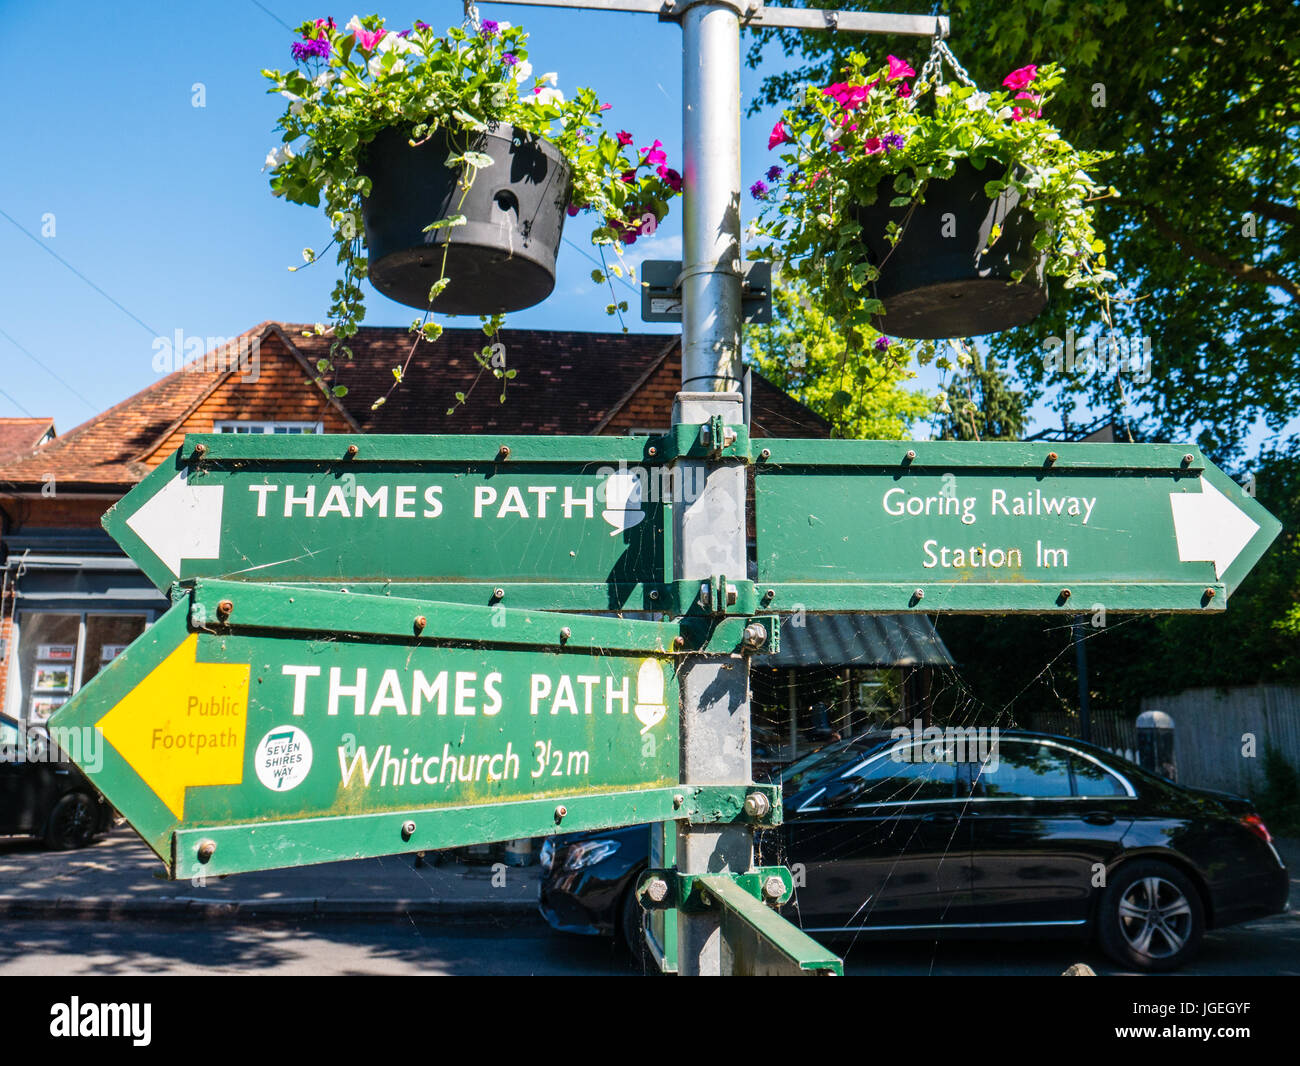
column 1219, row 734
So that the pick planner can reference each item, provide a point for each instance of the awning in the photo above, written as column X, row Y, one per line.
column 866, row 640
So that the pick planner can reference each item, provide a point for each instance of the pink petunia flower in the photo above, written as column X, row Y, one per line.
column 606, row 107
column 367, row 39
column 873, row 145
column 904, row 90
column 1021, row 77
column 624, row 137
column 777, row 136
column 655, row 155
column 898, row 68
column 629, row 176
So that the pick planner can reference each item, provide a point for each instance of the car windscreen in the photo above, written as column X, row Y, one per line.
column 804, row 771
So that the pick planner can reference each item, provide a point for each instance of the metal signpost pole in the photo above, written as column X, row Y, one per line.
column 709, row 530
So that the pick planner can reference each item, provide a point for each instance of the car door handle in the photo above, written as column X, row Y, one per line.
column 1099, row 818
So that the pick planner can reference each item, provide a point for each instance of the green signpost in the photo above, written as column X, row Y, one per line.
column 997, row 528
column 351, row 666
column 258, row 726
column 562, row 522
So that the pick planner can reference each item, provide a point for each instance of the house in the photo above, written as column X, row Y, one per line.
column 70, row 600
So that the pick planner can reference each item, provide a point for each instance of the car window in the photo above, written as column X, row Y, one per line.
column 1024, row 770
column 806, row 770
column 903, row 775
column 1090, row 779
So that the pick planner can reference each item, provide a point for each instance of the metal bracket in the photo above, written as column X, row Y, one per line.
column 661, row 290
column 756, row 805
column 715, row 439
column 660, row 890
column 712, row 596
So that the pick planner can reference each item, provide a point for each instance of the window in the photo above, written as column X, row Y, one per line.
column 901, row 775
column 59, row 652
column 1024, row 770
column 267, row 427
column 1092, row 779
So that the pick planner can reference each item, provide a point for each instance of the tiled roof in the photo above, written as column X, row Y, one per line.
column 566, row 382
column 21, row 435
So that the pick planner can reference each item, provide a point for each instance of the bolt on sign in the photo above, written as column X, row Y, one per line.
column 1002, row 527
column 334, row 726
column 574, row 522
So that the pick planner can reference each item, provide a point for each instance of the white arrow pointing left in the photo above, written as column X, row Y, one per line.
column 1210, row 528
column 182, row 522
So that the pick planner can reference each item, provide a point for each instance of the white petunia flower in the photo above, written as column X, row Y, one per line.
column 1004, row 112
column 376, row 66
column 354, row 24
column 276, row 156
column 391, row 42
column 323, row 79
column 546, row 96
column 550, row 79
column 942, row 91
column 523, row 71
column 977, row 101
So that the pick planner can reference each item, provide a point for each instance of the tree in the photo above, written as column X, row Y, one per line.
column 1028, row 663
column 860, row 391
column 979, row 403
column 1199, row 102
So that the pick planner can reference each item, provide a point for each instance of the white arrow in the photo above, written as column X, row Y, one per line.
column 182, row 522
column 1210, row 527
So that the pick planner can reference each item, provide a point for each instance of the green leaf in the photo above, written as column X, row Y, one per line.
column 340, row 391
column 478, row 160
column 443, row 223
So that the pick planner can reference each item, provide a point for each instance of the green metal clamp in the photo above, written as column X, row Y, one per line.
column 712, row 596
column 690, row 893
column 714, row 439
column 755, row 805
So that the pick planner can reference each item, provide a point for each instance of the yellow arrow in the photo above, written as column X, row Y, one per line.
column 183, row 725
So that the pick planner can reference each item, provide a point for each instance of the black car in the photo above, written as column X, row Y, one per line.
column 43, row 794
column 1027, row 835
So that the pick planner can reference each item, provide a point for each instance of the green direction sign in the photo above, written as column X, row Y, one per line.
column 563, row 522
column 993, row 528
column 338, row 726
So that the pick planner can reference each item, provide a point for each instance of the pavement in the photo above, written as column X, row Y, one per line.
column 119, row 877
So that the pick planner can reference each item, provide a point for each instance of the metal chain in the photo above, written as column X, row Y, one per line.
column 471, row 16
column 939, row 53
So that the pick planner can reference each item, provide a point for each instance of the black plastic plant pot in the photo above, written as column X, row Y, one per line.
column 503, row 258
column 939, row 281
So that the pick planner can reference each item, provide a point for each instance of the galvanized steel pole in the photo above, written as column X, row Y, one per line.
column 709, row 531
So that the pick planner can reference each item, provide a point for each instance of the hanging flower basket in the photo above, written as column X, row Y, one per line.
column 929, row 210
column 502, row 257
column 447, row 168
column 954, row 268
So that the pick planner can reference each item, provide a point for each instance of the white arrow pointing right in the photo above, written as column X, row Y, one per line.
column 1210, row 527
column 182, row 522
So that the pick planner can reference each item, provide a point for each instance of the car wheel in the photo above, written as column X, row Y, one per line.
column 1150, row 917
column 72, row 822
column 632, row 930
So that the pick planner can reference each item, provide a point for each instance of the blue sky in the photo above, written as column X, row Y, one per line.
column 161, row 218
